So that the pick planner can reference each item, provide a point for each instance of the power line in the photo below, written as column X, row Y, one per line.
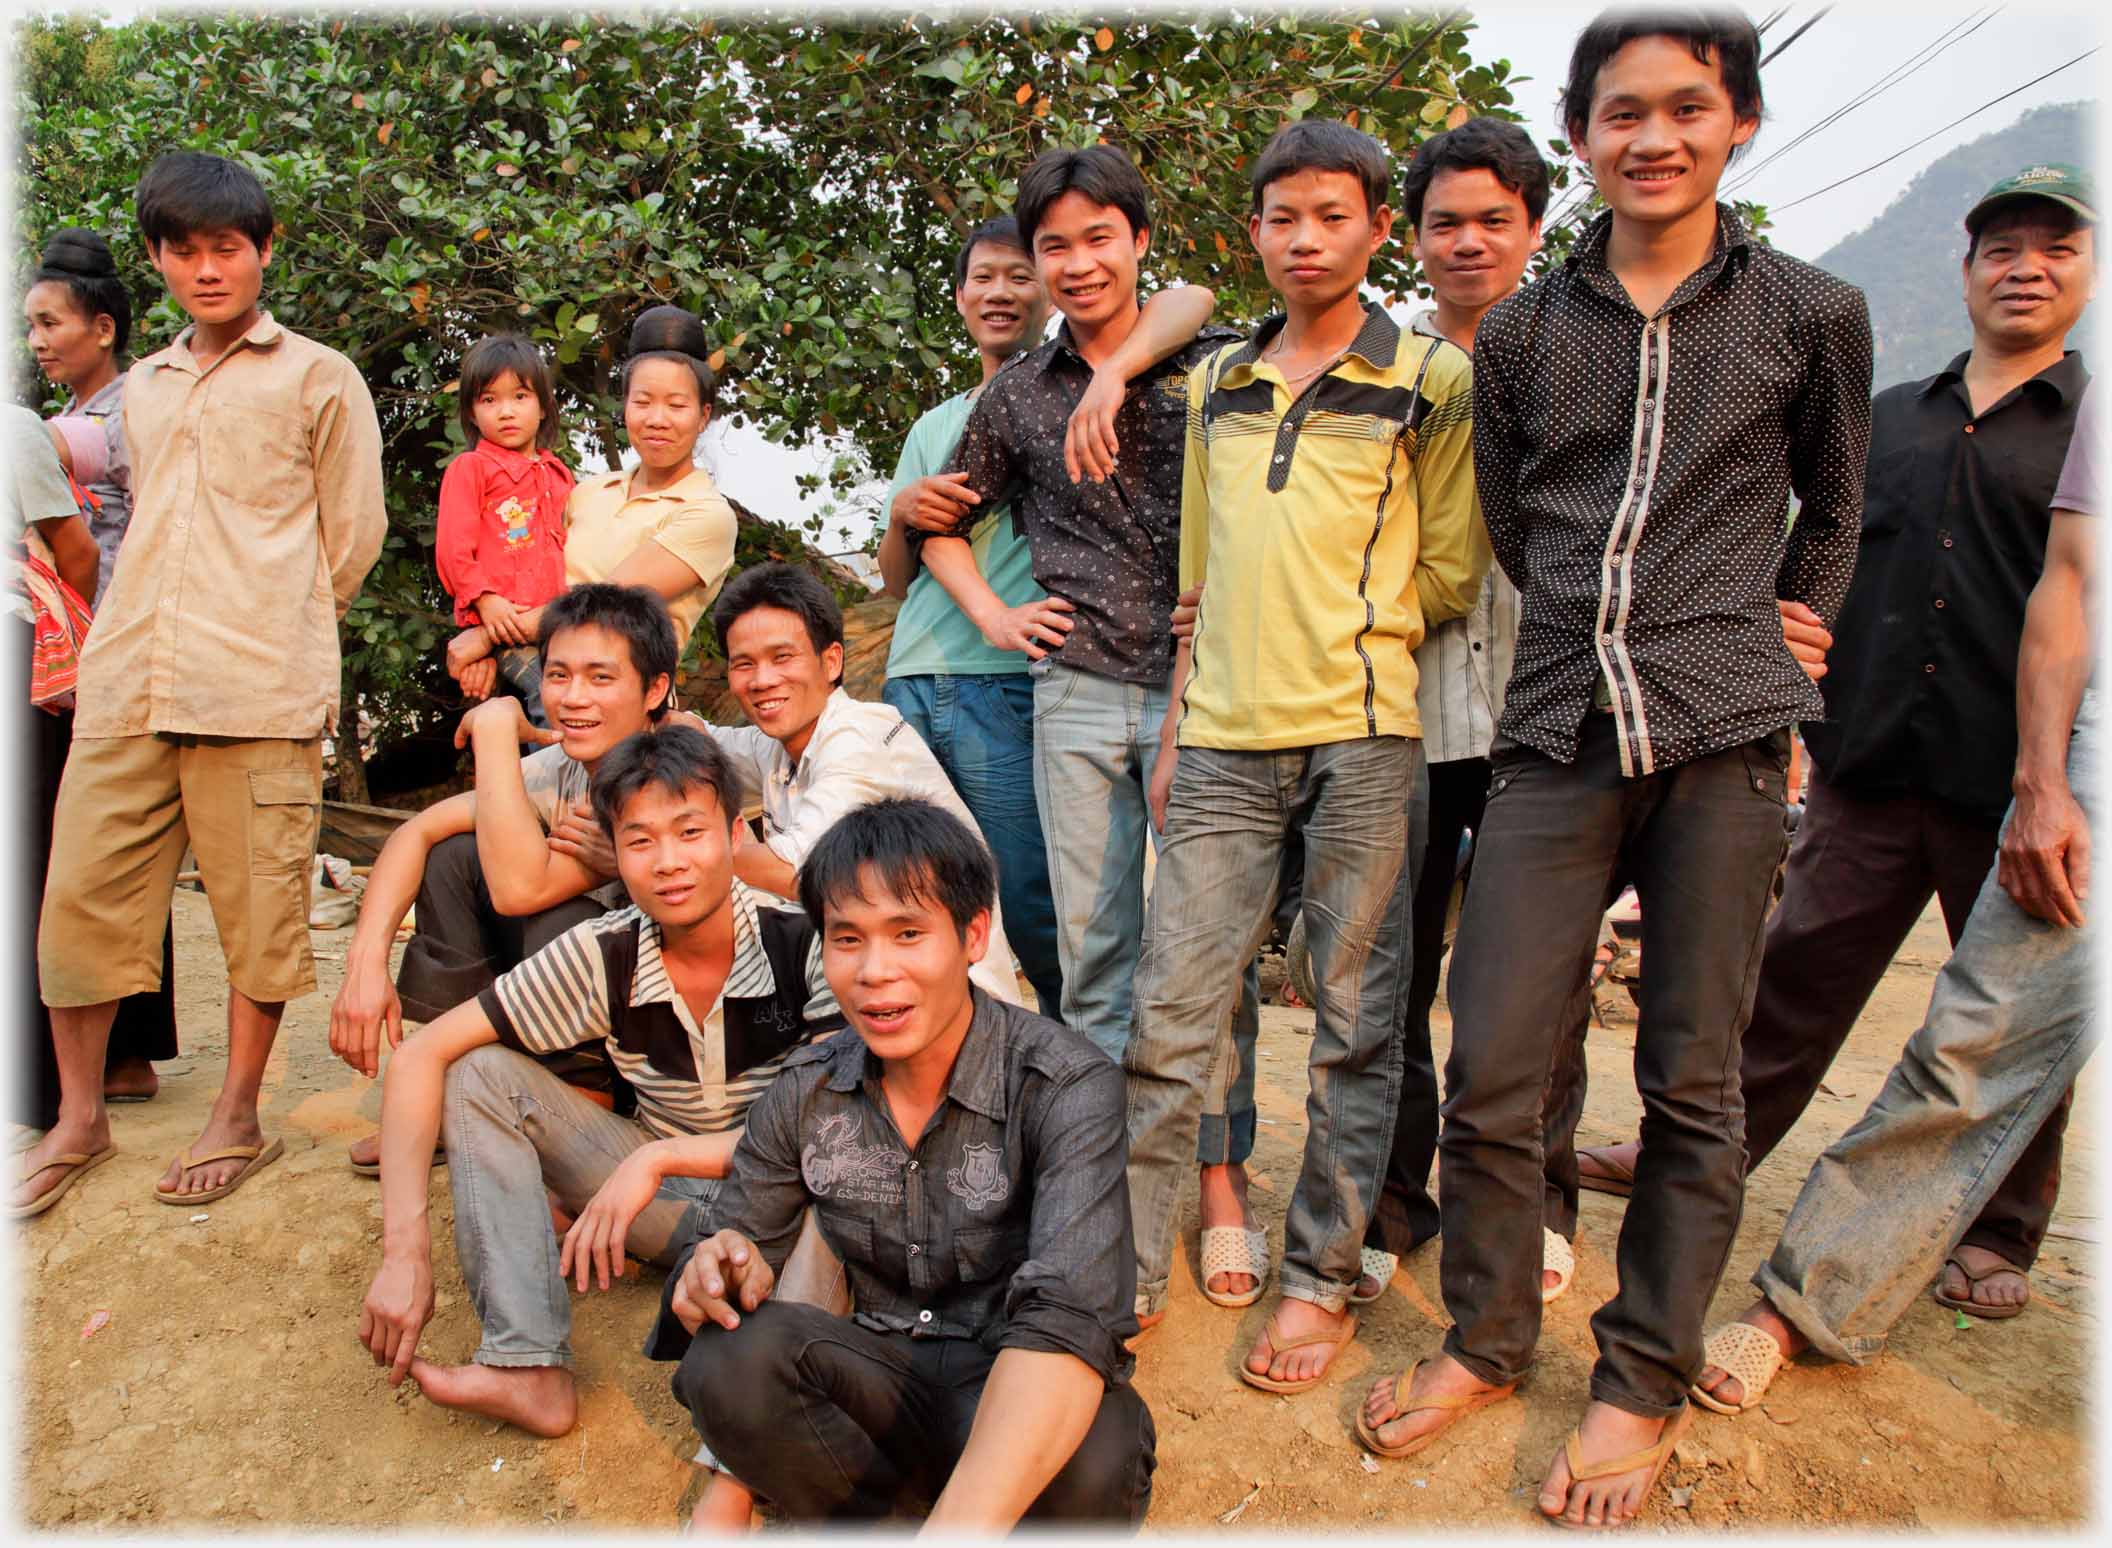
column 1954, row 123
column 1775, row 52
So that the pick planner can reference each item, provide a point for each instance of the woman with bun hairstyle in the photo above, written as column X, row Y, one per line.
column 661, row 523
column 80, row 320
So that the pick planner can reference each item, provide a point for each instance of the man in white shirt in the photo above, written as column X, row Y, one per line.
column 812, row 752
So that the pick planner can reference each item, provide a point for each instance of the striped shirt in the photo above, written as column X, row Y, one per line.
column 605, row 979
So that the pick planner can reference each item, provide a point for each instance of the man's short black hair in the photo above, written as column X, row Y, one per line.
column 2066, row 222
column 487, row 361
column 1726, row 37
column 1323, row 145
column 80, row 260
column 634, row 613
column 188, row 191
column 675, row 758
column 1100, row 172
column 1493, row 145
column 998, row 231
column 919, row 852
column 784, row 586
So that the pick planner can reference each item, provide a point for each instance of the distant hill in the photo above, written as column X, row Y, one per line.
column 1907, row 260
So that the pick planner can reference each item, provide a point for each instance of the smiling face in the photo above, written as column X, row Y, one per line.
column 1316, row 237
column 215, row 276
column 664, row 413
column 1001, row 300
column 1659, row 131
column 1087, row 258
column 1475, row 239
column 592, row 691
column 781, row 681
column 507, row 412
column 2029, row 277
column 899, row 968
column 70, row 346
column 674, row 853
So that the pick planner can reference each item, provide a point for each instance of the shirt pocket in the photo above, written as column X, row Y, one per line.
column 849, row 1236
column 986, row 1252
column 257, row 457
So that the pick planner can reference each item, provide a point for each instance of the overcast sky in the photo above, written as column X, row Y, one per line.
column 1843, row 54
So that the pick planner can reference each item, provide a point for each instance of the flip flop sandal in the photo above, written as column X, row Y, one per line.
column 80, row 1164
column 1235, row 1250
column 1967, row 1304
column 1556, row 1256
column 1611, row 1177
column 255, row 1157
column 1740, row 1350
column 1378, row 1265
column 1653, row 1457
column 1335, row 1339
column 373, row 1168
column 1459, row 1407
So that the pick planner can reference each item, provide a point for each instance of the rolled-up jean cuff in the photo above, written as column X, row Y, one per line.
column 1225, row 1139
column 1151, row 1299
column 1801, row 1315
column 1629, row 1403
column 1327, row 1294
column 513, row 1359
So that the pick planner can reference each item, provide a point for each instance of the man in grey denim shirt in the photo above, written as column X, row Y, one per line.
column 990, row 1260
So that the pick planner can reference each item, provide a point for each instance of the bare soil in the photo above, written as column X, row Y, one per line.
column 227, row 1389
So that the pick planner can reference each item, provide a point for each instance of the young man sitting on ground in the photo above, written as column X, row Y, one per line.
column 813, row 752
column 503, row 869
column 698, row 995
column 966, row 1159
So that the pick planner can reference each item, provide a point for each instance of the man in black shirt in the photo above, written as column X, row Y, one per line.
column 966, row 1161
column 1912, row 762
column 1641, row 417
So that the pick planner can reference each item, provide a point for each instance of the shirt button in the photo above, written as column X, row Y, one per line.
column 923, row 1316
column 1929, row 667
column 1968, row 429
column 914, row 1249
column 1939, row 603
column 1946, row 542
column 1279, row 456
column 1477, row 644
column 912, row 1166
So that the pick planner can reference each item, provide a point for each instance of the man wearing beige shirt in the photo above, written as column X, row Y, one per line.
column 210, row 677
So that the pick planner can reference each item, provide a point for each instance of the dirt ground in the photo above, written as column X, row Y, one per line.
column 226, row 1388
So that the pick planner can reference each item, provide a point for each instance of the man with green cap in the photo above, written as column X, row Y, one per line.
column 1911, row 769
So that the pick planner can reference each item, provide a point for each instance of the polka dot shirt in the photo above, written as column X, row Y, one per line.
column 1635, row 475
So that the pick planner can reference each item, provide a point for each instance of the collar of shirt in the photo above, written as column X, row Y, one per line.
column 1588, row 260
column 263, row 334
column 790, row 768
column 514, row 463
column 107, row 399
column 696, row 482
column 2064, row 379
column 977, row 1080
column 750, row 977
column 1377, row 342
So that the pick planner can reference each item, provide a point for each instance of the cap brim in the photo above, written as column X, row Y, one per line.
column 1986, row 209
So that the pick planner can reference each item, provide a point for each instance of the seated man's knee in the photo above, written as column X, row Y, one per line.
column 1108, row 1478
column 724, row 1369
column 452, row 865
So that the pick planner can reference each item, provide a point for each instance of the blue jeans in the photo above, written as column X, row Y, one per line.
column 1228, row 821
column 1095, row 744
column 981, row 730
column 2011, row 1022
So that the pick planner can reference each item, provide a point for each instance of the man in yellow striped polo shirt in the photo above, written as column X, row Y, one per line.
column 1329, row 502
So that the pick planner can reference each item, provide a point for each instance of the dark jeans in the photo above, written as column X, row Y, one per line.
column 463, row 944
column 1860, row 874
column 145, row 1026
column 1701, row 842
column 833, row 1421
column 1407, row 1216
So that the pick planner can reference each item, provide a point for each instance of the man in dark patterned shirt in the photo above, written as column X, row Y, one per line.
column 1642, row 416
column 965, row 1159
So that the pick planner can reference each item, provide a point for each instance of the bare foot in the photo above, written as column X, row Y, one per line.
column 2001, row 1283
column 725, row 1508
column 38, row 1169
column 129, row 1080
column 367, row 1151
column 1615, row 1498
column 1224, row 1203
column 221, row 1131
column 537, row 1398
column 1442, row 1377
column 1295, row 1319
column 1726, row 1388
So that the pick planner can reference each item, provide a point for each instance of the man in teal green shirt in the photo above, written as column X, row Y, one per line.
column 962, row 682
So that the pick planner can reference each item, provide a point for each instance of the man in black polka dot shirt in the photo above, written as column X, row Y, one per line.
column 1642, row 417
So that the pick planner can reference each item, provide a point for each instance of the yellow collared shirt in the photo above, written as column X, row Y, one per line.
column 605, row 521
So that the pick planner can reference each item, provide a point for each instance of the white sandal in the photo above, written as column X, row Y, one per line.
column 1746, row 1354
column 1555, row 1257
column 1235, row 1250
column 1377, row 1265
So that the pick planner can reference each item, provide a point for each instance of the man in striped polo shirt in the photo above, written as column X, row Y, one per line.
column 699, row 991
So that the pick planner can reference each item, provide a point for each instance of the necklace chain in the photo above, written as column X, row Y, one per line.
column 1276, row 348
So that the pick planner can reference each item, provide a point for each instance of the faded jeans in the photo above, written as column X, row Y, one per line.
column 513, row 1130
column 1096, row 742
column 1228, row 820
column 2012, row 1021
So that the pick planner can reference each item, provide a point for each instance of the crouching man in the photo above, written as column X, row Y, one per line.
column 697, row 993
column 965, row 1158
